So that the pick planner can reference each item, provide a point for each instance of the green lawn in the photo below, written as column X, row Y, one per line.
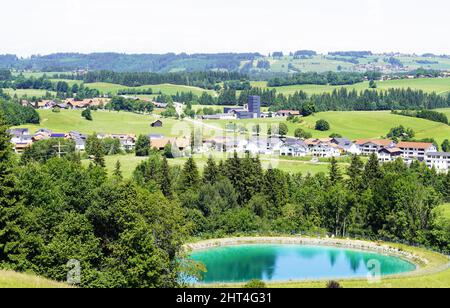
column 108, row 122
column 27, row 92
column 438, row 85
column 9, row 279
column 168, row 89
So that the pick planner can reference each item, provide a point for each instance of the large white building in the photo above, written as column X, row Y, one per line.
column 416, row 150
column 438, row 160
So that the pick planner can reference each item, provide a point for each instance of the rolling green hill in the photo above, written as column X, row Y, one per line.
column 107, row 122
column 27, row 92
column 168, row 89
column 438, row 85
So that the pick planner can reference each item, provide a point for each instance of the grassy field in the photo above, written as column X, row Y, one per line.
column 431, row 275
column 108, row 122
column 438, row 85
column 9, row 279
column 353, row 125
column 168, row 89
column 27, row 92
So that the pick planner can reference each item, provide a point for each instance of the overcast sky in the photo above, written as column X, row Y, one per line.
column 160, row 26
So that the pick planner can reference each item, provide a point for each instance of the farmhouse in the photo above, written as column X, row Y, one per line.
column 45, row 104
column 21, row 139
column 179, row 143
column 416, row 150
column 157, row 123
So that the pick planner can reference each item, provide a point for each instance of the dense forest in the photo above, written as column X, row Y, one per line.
column 329, row 78
column 130, row 232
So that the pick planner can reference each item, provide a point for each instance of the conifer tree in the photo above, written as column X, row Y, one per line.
column 372, row 170
column 211, row 172
column 335, row 172
column 355, row 172
column 9, row 195
column 96, row 150
column 166, row 181
column 117, row 174
column 190, row 178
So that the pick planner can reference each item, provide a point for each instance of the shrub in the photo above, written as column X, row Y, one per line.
column 255, row 284
column 322, row 125
column 333, row 285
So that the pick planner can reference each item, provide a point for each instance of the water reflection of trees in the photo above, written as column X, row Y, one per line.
column 241, row 264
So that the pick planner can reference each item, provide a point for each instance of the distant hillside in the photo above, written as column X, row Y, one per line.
column 257, row 65
column 131, row 63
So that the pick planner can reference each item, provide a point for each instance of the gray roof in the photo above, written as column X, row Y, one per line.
column 343, row 142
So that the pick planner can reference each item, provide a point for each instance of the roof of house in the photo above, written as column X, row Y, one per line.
column 156, row 136
column 57, row 135
column 415, row 145
column 178, row 142
column 344, row 142
column 379, row 142
column 391, row 150
column 295, row 142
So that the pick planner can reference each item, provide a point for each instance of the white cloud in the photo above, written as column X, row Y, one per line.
column 158, row 26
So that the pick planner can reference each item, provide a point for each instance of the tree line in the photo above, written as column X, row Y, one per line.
column 207, row 80
column 328, row 78
column 15, row 114
column 431, row 115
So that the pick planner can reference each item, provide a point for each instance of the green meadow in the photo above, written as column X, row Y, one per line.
column 27, row 92
column 9, row 279
column 108, row 122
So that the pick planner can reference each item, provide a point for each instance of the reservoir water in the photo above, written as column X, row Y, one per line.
column 294, row 262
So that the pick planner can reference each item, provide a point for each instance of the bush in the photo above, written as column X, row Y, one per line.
column 322, row 125
column 255, row 284
column 333, row 285
column 87, row 114
column 300, row 133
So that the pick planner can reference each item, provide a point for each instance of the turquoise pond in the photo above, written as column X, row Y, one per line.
column 293, row 262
